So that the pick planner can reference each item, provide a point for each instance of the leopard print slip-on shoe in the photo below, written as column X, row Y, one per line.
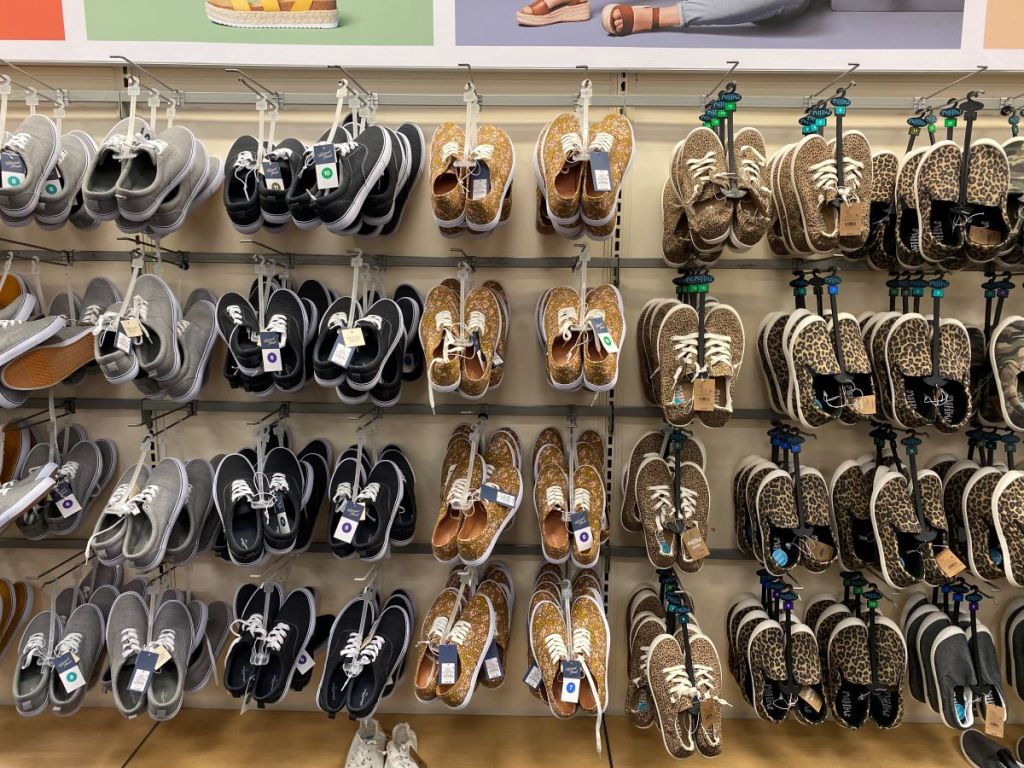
column 766, row 660
column 984, row 553
column 817, row 501
column 894, row 520
column 776, row 511
column 742, row 518
column 908, row 356
column 930, row 485
column 857, row 364
column 849, row 665
column 988, row 233
column 809, row 707
column 954, row 483
column 880, row 248
column 885, row 706
column 817, row 395
column 937, row 188
column 1007, row 519
column 759, row 472
column 851, row 509
column 908, row 225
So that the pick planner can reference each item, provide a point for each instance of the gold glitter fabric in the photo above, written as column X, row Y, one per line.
column 456, row 461
column 562, row 317
column 586, row 582
column 561, row 175
column 665, row 663
column 444, row 540
column 498, row 368
column 676, row 369
column 501, row 451
column 698, row 172
column 485, row 521
column 675, row 238
column 550, row 454
column 549, row 436
column 549, row 644
column 601, row 367
column 752, row 213
column 639, row 706
column 513, row 437
column 498, row 572
column 651, row 442
column 494, row 149
column 588, row 496
column 482, row 316
column 476, row 624
column 544, row 225
column 424, row 651
column 613, row 135
column 587, row 454
column 820, row 217
column 723, row 320
column 591, row 437
column 448, row 194
column 548, row 572
column 591, row 645
column 550, row 498
column 691, row 477
column 437, row 327
column 500, row 601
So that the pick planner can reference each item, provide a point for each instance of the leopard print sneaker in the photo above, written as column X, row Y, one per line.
column 849, row 664
column 649, row 443
column 676, row 246
column 937, row 189
column 984, row 555
column 857, row 364
column 752, row 214
column 988, row 234
column 757, row 475
column 653, row 490
column 953, row 486
column 724, row 343
column 696, row 171
column 677, row 362
column 766, row 659
column 857, row 186
column 851, row 506
column 671, row 690
column 792, row 217
column 776, row 242
column 639, row 705
column 894, row 520
column 930, row 486
column 816, row 192
column 601, row 367
column 708, row 671
column 908, row 226
column 955, row 405
column 880, row 249
column 1007, row 519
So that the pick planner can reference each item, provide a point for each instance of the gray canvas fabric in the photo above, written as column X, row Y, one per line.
column 929, row 629
column 915, row 673
column 199, row 294
column 154, row 512
column 107, row 540
column 81, row 468
column 100, row 295
column 155, row 170
column 126, row 634
column 172, row 628
column 83, row 636
column 196, row 336
column 171, row 214
column 100, row 575
column 18, row 337
column 106, row 168
column 983, row 752
column 76, row 152
column 201, row 665
column 37, row 143
column 59, row 306
column 108, row 464
column 954, row 677
column 156, row 308
column 183, row 543
column 104, row 598
column 987, row 668
column 31, row 685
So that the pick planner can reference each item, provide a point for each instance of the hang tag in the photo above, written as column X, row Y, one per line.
column 694, row 543
column 704, row 392
column 851, row 218
column 325, row 157
column 54, row 184
column 994, row 719
column 948, row 563
column 272, row 176
column 283, row 526
column 341, row 355
column 984, row 236
column 65, row 499
column 497, row 360
column 353, row 337
column 865, row 405
column 123, row 343
column 479, row 182
column 492, row 663
column 448, row 666
column 600, row 171
column 582, row 531
column 604, row 336
column 495, row 495
column 533, row 677
column 812, row 697
column 131, row 328
column 12, row 170
column 819, row 550
column 352, row 513
column 707, row 708
column 572, row 674
column 304, row 663
column 145, row 665
column 678, row 397
column 162, row 655
column 66, row 665
column 270, row 347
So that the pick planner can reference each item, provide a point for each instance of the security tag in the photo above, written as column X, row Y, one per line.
column 351, row 513
column 604, row 335
column 533, row 677
column 65, row 499
column 448, row 666
column 492, row 663
column 12, row 170
column 572, row 674
column 71, row 676
column 270, row 347
column 582, row 531
column 272, row 175
column 600, row 171
column 325, row 158
column 145, row 665
column 495, row 495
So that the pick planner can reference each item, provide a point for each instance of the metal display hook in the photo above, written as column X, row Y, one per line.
column 276, row 416
column 852, row 68
column 62, row 97
column 922, row 101
column 721, row 80
column 67, row 257
column 149, row 418
column 290, row 265
column 179, row 95
column 258, row 88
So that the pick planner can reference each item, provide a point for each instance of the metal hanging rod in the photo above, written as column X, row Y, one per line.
column 257, row 87
column 179, row 95
column 852, row 68
column 62, row 98
column 922, row 100
column 711, row 90
column 351, row 79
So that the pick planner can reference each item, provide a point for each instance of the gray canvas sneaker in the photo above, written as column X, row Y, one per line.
column 106, row 168
column 32, row 671
column 17, row 496
column 17, row 337
column 108, row 465
column 183, row 544
column 31, row 522
column 172, row 628
column 953, row 678
column 103, row 597
column 21, row 308
column 84, row 638
column 196, row 334
column 80, row 468
column 100, row 295
column 59, row 194
column 116, row 365
column 33, row 148
column 202, row 179
column 126, row 634
column 154, row 305
column 155, row 510
column 200, row 668
column 155, row 170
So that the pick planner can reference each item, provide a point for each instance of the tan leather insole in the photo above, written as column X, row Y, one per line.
column 426, row 671
column 446, row 530
column 555, row 532
column 475, row 523
column 561, row 350
column 567, row 183
column 445, row 183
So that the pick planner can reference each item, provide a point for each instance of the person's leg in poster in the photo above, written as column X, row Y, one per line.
column 620, row 19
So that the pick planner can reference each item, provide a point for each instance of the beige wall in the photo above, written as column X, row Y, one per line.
column 753, row 292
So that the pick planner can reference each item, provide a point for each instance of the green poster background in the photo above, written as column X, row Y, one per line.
column 377, row 22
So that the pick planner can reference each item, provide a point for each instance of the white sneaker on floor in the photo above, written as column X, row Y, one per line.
column 368, row 747
column 402, row 748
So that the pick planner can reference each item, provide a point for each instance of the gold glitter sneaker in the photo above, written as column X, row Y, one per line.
column 562, row 172
column 564, row 338
column 472, row 636
column 447, row 190
column 501, row 351
column 438, row 337
column 588, row 455
column 752, row 213
column 485, row 520
column 549, row 436
column 591, row 645
column 550, row 494
column 611, row 150
column 588, row 499
column 456, row 456
column 699, row 173
column 490, row 181
column 452, row 514
column 482, row 324
column 492, row 675
column 673, row 693
column 432, row 632
column 600, row 363
column 549, row 645
column 677, row 363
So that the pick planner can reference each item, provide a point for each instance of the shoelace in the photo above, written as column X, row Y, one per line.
column 450, row 150
column 664, row 504
column 458, row 494
column 342, row 494
column 118, row 498
column 6, row 487
column 372, row 650
column 717, row 350
column 581, row 648
column 254, row 626
column 581, row 642
column 555, row 646
column 751, row 165
column 680, row 687
column 142, row 499
column 351, row 649
column 367, row 754
column 130, row 641
column 602, row 142
column 35, row 648
column 375, row 320
column 11, row 323
column 645, row 652
column 700, row 169
column 91, row 315
column 482, row 152
column 279, row 483
column 568, row 318
column 825, row 177
column 572, row 145
column 240, row 489
column 245, row 160
column 705, row 683
column 278, row 324
column 159, row 146
column 140, row 311
column 438, row 629
column 477, row 322
column 337, row 321
column 554, row 498
column 581, row 500
column 853, row 177
column 277, row 636
column 181, row 326
column 234, row 313
column 17, row 141
column 68, row 470
column 369, row 493
column 460, row 632
column 399, row 757
column 166, row 638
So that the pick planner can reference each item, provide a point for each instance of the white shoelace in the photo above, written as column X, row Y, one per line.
column 717, row 350
column 139, row 309
column 130, row 642
column 254, row 626
column 438, row 629
column 753, row 166
column 450, row 150
column 11, row 323
column 279, row 483
column 555, row 646
column 159, row 146
column 602, row 142
column 458, row 494
column 581, row 642
column 568, row 318
column 375, row 320
column 166, row 638
column 118, row 499
column 91, row 315
column 277, row 636
column 706, row 684
column 351, row 649
column 680, row 686
column 6, row 487
column 68, row 470
column 278, row 324
column 460, row 632
column 143, row 498
column 482, row 152
column 853, row 177
column 581, row 500
column 700, row 169
column 181, row 326
column 240, row 489
column 477, row 323
column 234, row 313
column 17, row 141
column 664, row 504
column 35, row 648
column 246, row 161
column 554, row 498
column 337, row 321
column 825, row 177
column 342, row 494
column 572, row 145
column 371, row 651
column 369, row 493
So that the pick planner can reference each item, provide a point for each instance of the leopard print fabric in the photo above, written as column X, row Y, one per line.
column 767, row 661
column 860, row 186
column 807, row 671
column 988, row 186
column 953, row 506
column 639, row 707
column 886, row 707
column 776, row 356
column 757, row 475
column 776, row 509
column 955, row 367
column 908, row 253
column 820, row 219
column 741, row 515
column 876, row 348
column 932, row 505
column 893, row 513
column 740, row 628
column 680, row 320
column 1009, row 516
column 851, row 501
column 812, row 353
column 823, row 629
column 849, row 663
column 908, row 352
column 814, row 609
column 856, row 363
column 817, row 513
column 939, row 180
column 977, row 509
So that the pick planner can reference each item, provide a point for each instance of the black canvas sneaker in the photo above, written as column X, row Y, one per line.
column 343, row 488
column 255, row 609
column 379, row 206
column 361, row 163
column 381, row 496
column 285, row 162
column 414, row 145
column 234, row 494
column 348, row 634
column 380, row 659
column 317, row 477
column 286, row 316
column 287, row 488
column 241, row 183
column 290, row 633
column 404, row 526
column 334, row 320
column 411, row 304
column 389, row 390
column 383, row 331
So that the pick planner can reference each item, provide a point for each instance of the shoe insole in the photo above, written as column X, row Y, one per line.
column 864, row 545
column 555, row 533
column 829, row 395
column 910, row 231
column 245, row 530
column 943, row 223
column 910, row 554
column 809, row 713
column 986, row 225
column 852, row 703
column 775, row 704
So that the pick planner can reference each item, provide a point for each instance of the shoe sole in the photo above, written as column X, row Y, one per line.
column 272, row 19
column 48, row 366
column 43, row 484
